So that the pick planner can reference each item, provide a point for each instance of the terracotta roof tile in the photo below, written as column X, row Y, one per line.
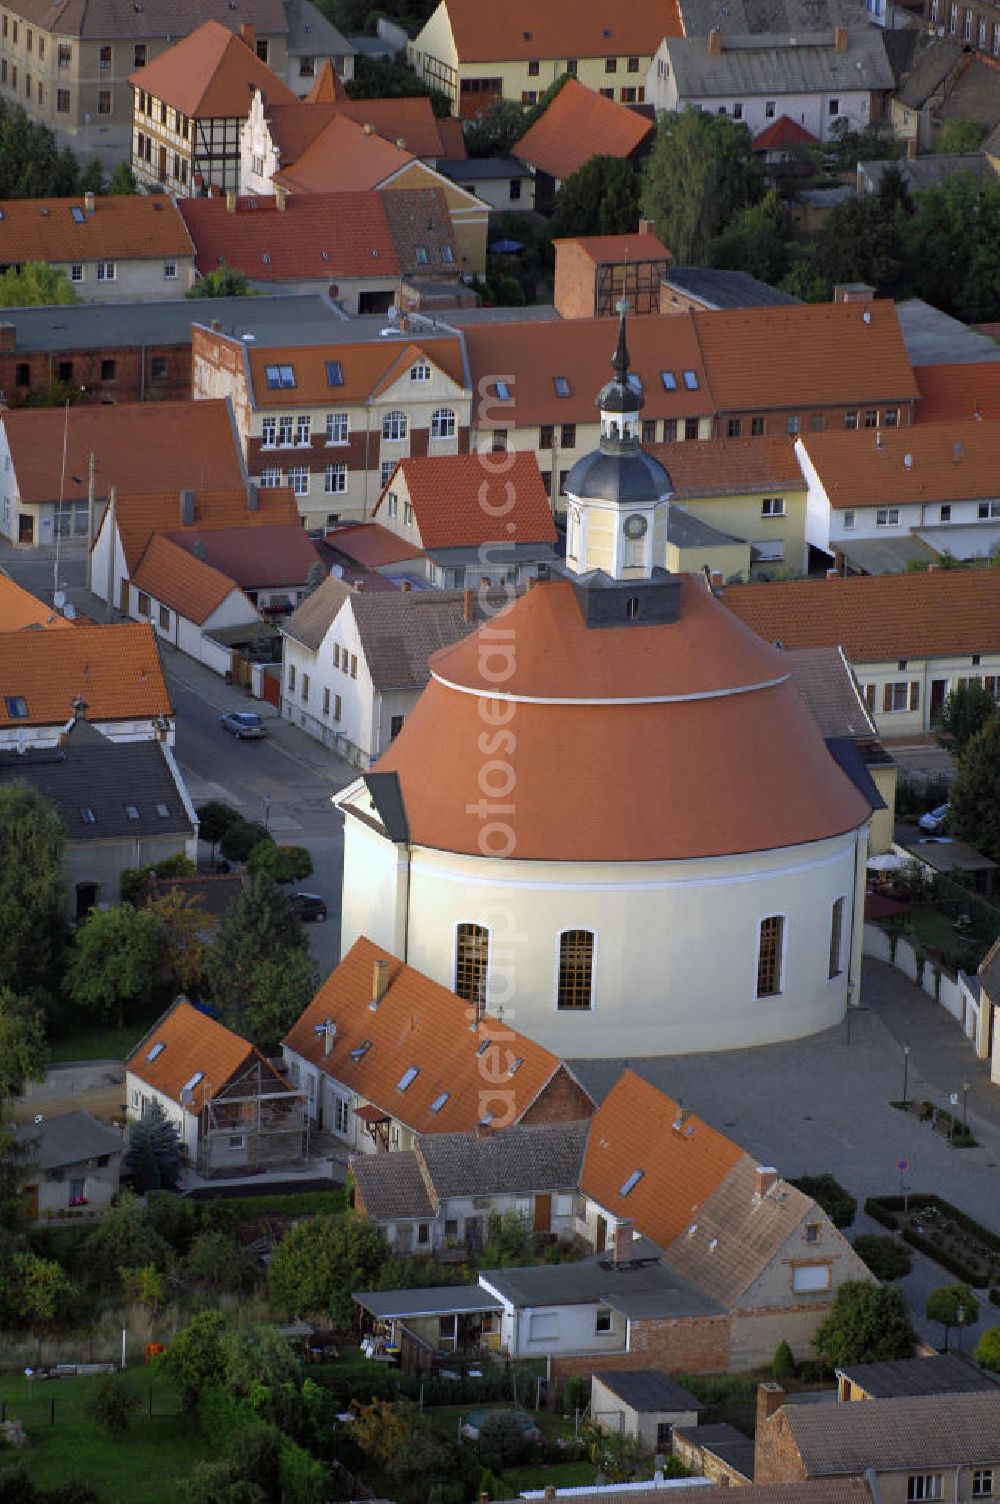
column 418, row 1024
column 580, row 124
column 210, row 75
column 633, row 1130
column 19, row 609
column 522, row 29
column 343, row 158
column 730, row 465
column 949, row 393
column 320, row 235
column 363, row 369
column 115, row 668
column 783, row 133
column 138, row 517
column 617, row 248
column 137, row 444
column 126, row 227
column 923, row 462
column 943, row 613
column 277, row 556
column 174, row 577
column 372, row 544
column 327, row 85
column 411, row 122
column 456, row 502
column 192, row 1043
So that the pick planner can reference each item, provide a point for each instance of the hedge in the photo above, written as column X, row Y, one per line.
column 918, row 1202
column 962, row 1271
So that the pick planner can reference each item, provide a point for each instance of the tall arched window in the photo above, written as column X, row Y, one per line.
column 575, row 985
column 770, row 944
column 836, row 937
column 472, row 963
column 394, row 425
column 443, row 423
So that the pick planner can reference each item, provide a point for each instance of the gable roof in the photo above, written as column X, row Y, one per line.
column 874, row 617
column 456, row 502
column 138, row 445
column 776, row 63
column 365, row 369
column 391, row 1186
column 321, row 235
column 824, row 679
column 763, row 17
column 138, row 517
column 20, row 609
column 372, row 546
column 400, row 632
column 343, row 157
column 577, row 125
column 518, row 1160
column 944, row 1373
column 953, row 391
column 782, row 134
column 633, row 1130
column 66, row 1140
column 934, row 1430
column 278, row 554
column 714, row 288
column 646, row 1390
column 115, row 669
column 730, row 466
column 408, row 123
column 923, row 462
column 120, row 227
column 210, row 74
column 176, row 578
column 601, row 249
column 194, row 1046
column 109, row 20
column 418, row 1024
column 520, row 29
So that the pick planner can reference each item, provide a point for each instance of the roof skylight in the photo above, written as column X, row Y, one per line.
column 192, row 1081
column 631, row 1182
column 691, row 380
column 157, row 1049
column 439, row 1101
column 669, row 381
column 561, row 385
column 408, row 1077
column 360, row 1051
column 334, row 373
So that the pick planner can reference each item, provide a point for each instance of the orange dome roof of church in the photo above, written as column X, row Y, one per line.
column 541, row 738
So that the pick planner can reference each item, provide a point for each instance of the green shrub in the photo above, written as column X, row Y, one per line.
column 838, row 1203
column 783, row 1363
column 884, row 1256
column 969, row 1273
column 877, row 1211
column 114, row 1406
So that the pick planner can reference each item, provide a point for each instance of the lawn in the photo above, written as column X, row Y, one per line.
column 101, row 1042
column 148, row 1467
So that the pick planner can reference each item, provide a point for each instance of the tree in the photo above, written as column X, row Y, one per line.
column 282, row 864
column 144, row 1286
column 494, row 133
column 783, row 1363
column 277, row 992
column 214, row 819
column 121, row 1239
column 868, row 1324
column 951, row 1305
column 886, row 1258
column 391, row 79
column 254, row 1356
column 600, row 198
column 615, row 1453
column 154, row 1150
column 260, row 925
column 239, row 840
column 975, row 793
column 314, row 579
column 122, row 181
column 117, row 956
column 183, row 920
column 33, row 1291
column 965, row 711
column 195, row 1359
column 35, row 284
column 92, row 177
column 320, row 1261
column 502, row 1439
column 32, row 897
column 216, row 1262
column 757, row 240
column 115, row 1405
column 699, row 174
column 828, row 1194
column 958, row 135
column 223, row 282
column 384, row 1428
column 987, row 1353
column 23, row 1057
column 136, row 880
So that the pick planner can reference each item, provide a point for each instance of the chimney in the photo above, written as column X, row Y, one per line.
column 230, row 200
column 280, row 198
column 833, row 574
column 840, row 39
column 911, row 149
column 853, row 292
column 248, row 34
column 329, row 1036
column 715, row 42
column 647, row 227
column 253, row 497
column 187, row 509
column 406, row 585
column 79, row 708
column 622, row 1242
column 367, row 128
column 8, row 337
column 550, row 1491
column 770, row 1397
column 765, row 1178
column 215, row 325
column 468, row 604
column 380, row 981
column 401, row 142
column 683, row 1113
column 483, row 1130
column 89, row 201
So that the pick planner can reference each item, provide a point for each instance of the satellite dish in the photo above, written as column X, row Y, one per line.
column 59, row 599
column 69, row 611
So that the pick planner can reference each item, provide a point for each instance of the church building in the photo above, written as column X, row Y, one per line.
column 611, row 819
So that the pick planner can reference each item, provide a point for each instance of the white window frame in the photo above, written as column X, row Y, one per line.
column 106, row 271
column 886, row 516
column 921, row 1488
column 768, row 997
column 988, row 510
column 286, row 431
column 337, row 428
column 772, row 506
column 850, row 519
column 420, row 370
column 395, row 426
column 335, row 482
column 892, row 686
column 444, row 423
column 269, row 433
column 170, row 270
column 823, row 1268
column 76, row 272
column 303, row 430
column 297, row 477
column 385, row 475
column 270, row 478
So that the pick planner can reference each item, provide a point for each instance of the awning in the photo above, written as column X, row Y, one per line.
column 369, row 1114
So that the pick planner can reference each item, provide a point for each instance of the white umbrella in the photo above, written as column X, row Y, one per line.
column 888, row 862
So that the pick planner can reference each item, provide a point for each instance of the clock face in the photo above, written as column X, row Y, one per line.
column 635, row 526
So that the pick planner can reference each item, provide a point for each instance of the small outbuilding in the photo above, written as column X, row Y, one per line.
column 643, row 1404
column 72, row 1165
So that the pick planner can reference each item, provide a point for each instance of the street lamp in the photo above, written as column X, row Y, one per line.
column 906, row 1072
column 965, row 1106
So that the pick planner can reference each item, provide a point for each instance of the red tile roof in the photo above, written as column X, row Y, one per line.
column 138, row 517
column 782, row 134
column 115, row 669
column 371, row 544
column 643, row 246
column 365, row 369
column 939, row 614
column 327, row 85
column 952, row 392
column 210, row 74
column 126, row 227
column 316, row 235
column 923, row 462
column 412, row 122
column 270, row 556
column 418, row 1024
column 730, row 465
column 177, row 579
column 456, row 502
column 603, row 690
column 580, row 124
column 521, row 29
column 343, row 158
column 137, row 445
column 20, row 609
column 194, row 1045
column 409, row 123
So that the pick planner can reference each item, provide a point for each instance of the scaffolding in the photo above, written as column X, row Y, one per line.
column 255, row 1122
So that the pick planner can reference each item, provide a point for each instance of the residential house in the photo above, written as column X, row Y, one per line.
column 233, row 1112
column 783, row 151
column 825, row 81
column 502, row 182
column 909, row 638
column 710, row 288
column 355, row 662
column 187, row 601
column 369, row 556
column 44, row 496
column 69, row 65
column 111, row 672
column 643, row 1405
column 189, row 107
column 695, row 547
column 475, row 56
column 933, row 1445
column 879, row 498
column 593, row 272
column 331, row 420
column 943, row 1373
column 72, row 1166
column 788, row 17
column 123, row 805
column 953, row 391
column 576, row 126
column 313, row 45
column 453, row 1189
column 451, row 506
column 354, row 248
column 383, row 1054
column 927, row 77
column 922, row 173
column 988, row 979
column 112, row 248
column 976, row 25
column 721, row 1454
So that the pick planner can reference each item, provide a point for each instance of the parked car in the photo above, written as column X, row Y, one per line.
column 243, row 723
column 934, row 818
column 309, row 906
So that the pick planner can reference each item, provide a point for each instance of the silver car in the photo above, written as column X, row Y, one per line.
column 243, row 723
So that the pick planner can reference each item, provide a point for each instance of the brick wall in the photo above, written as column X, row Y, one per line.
column 562, row 1101
column 695, row 1344
column 776, row 1457
column 574, row 281
column 132, row 380
column 704, row 1463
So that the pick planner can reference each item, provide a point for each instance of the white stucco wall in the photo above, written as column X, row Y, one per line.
column 144, row 279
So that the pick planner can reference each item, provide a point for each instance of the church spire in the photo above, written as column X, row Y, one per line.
column 620, row 359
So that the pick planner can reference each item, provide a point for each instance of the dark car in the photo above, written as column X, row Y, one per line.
column 309, row 906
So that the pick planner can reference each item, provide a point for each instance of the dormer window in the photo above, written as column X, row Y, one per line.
column 420, row 372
